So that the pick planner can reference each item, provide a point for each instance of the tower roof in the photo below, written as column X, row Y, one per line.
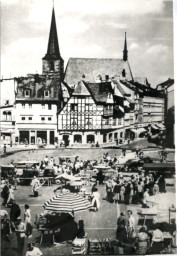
column 125, row 51
column 53, row 51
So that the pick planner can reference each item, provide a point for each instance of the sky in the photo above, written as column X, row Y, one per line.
column 89, row 28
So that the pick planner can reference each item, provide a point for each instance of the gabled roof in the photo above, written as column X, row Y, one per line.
column 167, row 83
column 53, row 51
column 91, row 68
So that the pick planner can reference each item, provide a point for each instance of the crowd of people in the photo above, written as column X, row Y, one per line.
column 134, row 188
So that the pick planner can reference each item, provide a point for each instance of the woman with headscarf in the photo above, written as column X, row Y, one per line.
column 121, row 233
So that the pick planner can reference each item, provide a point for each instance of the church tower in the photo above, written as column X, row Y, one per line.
column 52, row 62
column 125, row 51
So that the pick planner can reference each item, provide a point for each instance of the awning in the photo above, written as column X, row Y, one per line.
column 141, row 130
column 153, row 126
column 161, row 126
column 133, row 130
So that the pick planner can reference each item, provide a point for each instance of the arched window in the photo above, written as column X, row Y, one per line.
column 9, row 116
column 115, row 135
column 110, row 137
column 90, row 138
column 4, row 115
column 52, row 65
column 77, row 138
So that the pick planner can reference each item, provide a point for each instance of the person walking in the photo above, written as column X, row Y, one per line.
column 5, row 193
column 27, row 220
column 20, row 233
column 10, row 195
column 131, row 224
column 14, row 213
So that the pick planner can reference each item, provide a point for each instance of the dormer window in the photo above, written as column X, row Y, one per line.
column 27, row 93
column 46, row 93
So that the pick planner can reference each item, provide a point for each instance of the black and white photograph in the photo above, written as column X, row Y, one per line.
column 87, row 127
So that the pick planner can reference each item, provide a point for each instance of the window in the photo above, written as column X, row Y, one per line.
column 119, row 121
column 27, row 93
column 9, row 116
column 4, row 115
column 49, row 106
column 123, row 73
column 115, row 135
column 23, row 118
column 30, row 105
column 43, row 106
column 74, row 107
column 88, row 120
column 52, row 66
column 30, row 118
column 23, row 105
column 49, row 118
column 88, row 107
column 43, row 118
column 104, row 138
column 46, row 93
column 7, row 102
column 73, row 120
column 109, row 96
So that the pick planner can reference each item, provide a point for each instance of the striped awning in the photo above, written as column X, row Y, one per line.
column 68, row 202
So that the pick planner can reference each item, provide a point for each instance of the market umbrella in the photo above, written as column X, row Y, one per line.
column 68, row 202
column 68, row 177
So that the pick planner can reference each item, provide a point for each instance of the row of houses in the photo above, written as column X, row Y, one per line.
column 92, row 101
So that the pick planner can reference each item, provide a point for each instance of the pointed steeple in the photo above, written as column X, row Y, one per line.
column 53, row 51
column 125, row 51
column 52, row 61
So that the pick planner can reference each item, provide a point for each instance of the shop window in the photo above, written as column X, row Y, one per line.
column 90, row 138
column 104, row 138
column 77, row 138
column 110, row 137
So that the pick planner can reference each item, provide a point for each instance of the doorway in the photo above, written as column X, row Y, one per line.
column 52, row 139
column 66, row 140
column 90, row 138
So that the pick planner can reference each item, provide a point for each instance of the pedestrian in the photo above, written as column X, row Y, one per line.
column 142, row 242
column 15, row 212
column 27, row 220
column 10, row 195
column 35, row 183
column 32, row 250
column 46, row 160
column 5, row 193
column 20, row 233
column 121, row 233
column 5, row 149
column 95, row 200
column 5, row 227
column 131, row 224
column 156, row 188
column 122, row 193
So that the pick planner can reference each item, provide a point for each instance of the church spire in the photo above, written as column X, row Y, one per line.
column 53, row 46
column 125, row 52
column 52, row 61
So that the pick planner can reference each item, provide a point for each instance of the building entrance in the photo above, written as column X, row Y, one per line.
column 66, row 140
column 52, row 139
